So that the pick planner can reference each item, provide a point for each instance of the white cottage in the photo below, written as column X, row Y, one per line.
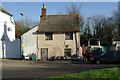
column 56, row 35
column 7, row 36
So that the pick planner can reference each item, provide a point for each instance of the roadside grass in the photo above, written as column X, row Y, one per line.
column 101, row 74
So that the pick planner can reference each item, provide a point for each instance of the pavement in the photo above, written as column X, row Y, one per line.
column 16, row 61
column 30, row 70
column 40, row 61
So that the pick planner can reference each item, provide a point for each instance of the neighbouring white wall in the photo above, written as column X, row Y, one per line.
column 30, row 41
column 9, row 23
column 0, row 49
column 13, row 49
column 10, row 49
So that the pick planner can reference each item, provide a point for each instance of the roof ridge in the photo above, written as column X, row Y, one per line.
column 31, row 28
column 3, row 10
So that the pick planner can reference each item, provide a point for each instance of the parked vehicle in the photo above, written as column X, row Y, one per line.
column 97, row 52
column 106, row 57
column 93, row 44
column 52, row 58
column 27, row 56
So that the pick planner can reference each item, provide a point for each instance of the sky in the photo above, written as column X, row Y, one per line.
column 32, row 10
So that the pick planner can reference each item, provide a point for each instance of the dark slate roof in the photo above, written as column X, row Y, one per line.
column 59, row 23
column 1, row 9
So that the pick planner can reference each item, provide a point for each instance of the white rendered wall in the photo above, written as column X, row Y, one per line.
column 58, row 44
column 4, row 18
column 0, row 49
column 8, row 48
column 30, row 41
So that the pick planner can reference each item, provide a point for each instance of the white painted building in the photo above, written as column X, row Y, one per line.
column 6, row 19
column 30, row 42
column 9, row 47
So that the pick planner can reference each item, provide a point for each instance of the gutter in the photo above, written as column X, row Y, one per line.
column 37, row 44
column 11, row 20
column 76, row 43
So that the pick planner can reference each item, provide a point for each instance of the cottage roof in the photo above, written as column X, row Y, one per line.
column 59, row 23
column 1, row 9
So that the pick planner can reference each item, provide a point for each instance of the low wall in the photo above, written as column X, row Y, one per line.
column 11, row 49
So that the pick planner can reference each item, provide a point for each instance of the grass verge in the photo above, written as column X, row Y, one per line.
column 101, row 74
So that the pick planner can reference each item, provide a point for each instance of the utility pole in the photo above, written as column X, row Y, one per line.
column 22, row 32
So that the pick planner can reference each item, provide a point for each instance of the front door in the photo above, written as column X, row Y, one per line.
column 44, row 55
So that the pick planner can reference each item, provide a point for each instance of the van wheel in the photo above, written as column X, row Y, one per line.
column 98, row 62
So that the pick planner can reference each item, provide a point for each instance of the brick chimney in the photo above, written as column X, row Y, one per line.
column 43, row 11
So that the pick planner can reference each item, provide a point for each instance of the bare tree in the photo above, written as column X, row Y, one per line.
column 74, row 9
column 27, row 22
column 116, row 19
column 103, row 28
column 87, row 27
column 24, row 26
column 96, row 23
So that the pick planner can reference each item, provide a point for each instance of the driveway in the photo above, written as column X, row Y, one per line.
column 44, row 70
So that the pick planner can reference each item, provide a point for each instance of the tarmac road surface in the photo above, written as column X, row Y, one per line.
column 44, row 70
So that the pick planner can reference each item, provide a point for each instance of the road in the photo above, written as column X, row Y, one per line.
column 44, row 70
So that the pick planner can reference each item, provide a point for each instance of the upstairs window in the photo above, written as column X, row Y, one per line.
column 48, row 36
column 68, row 36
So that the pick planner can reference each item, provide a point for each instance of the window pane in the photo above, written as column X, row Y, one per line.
column 48, row 36
column 68, row 52
column 68, row 36
column 94, row 42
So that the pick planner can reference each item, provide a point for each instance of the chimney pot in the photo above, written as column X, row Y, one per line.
column 43, row 5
